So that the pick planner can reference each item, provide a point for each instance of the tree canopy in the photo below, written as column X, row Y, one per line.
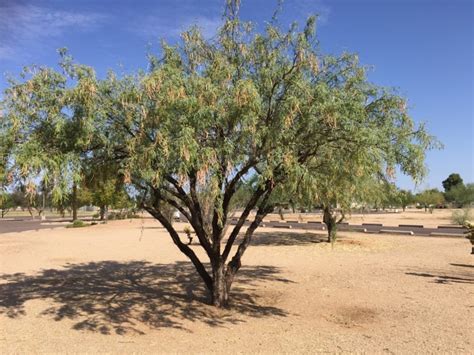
column 451, row 181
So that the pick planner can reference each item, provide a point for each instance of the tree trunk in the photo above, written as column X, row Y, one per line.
column 220, row 286
column 74, row 202
column 331, row 225
column 280, row 212
column 102, row 213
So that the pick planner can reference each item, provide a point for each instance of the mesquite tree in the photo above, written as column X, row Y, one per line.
column 208, row 115
column 211, row 113
column 46, row 128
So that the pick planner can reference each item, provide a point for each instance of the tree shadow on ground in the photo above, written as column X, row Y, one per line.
column 463, row 265
column 443, row 278
column 111, row 296
column 287, row 238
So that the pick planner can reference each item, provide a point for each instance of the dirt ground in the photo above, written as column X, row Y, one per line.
column 124, row 287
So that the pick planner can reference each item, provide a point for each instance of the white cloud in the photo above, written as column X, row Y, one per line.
column 22, row 25
column 161, row 27
column 303, row 8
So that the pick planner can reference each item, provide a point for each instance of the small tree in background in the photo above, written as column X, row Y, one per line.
column 452, row 181
column 429, row 199
column 461, row 195
column 405, row 198
column 7, row 203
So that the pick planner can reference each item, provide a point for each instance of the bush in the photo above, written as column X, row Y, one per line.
column 77, row 224
column 95, row 215
column 462, row 216
column 188, row 233
column 122, row 215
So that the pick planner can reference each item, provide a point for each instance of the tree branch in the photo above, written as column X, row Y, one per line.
column 182, row 247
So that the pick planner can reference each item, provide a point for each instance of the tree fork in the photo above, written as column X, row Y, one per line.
column 186, row 250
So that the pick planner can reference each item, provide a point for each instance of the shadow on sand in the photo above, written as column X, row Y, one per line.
column 442, row 278
column 287, row 238
column 110, row 296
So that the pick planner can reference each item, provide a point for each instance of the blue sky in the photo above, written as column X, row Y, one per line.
column 423, row 48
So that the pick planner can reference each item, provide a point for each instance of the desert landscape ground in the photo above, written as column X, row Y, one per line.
column 123, row 287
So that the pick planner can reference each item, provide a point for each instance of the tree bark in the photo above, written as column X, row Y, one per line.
column 104, row 211
column 220, row 286
column 74, row 202
column 331, row 225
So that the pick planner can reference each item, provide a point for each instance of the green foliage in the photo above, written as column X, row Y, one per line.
column 406, row 198
column 430, row 198
column 461, row 195
column 49, row 115
column 463, row 216
column 451, row 181
column 77, row 224
column 7, row 203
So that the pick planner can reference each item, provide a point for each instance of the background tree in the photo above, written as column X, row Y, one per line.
column 460, row 195
column 430, row 198
column 405, row 198
column 7, row 203
column 47, row 127
column 451, row 181
column 105, row 187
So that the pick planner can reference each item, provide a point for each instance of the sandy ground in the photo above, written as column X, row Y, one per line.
column 124, row 287
column 410, row 216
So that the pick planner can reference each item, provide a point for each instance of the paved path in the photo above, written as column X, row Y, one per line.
column 374, row 228
column 17, row 225
column 12, row 225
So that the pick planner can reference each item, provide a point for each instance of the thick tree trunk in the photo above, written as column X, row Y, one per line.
column 331, row 225
column 220, row 287
column 74, row 202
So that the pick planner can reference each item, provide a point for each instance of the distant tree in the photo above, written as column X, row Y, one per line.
column 405, row 198
column 7, row 203
column 451, row 181
column 105, row 187
column 19, row 199
column 429, row 199
column 461, row 195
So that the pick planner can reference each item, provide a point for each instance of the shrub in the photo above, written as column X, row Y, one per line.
column 462, row 216
column 188, row 232
column 77, row 224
